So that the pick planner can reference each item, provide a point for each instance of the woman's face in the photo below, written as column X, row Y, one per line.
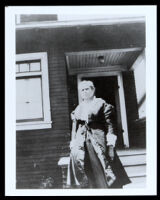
column 87, row 93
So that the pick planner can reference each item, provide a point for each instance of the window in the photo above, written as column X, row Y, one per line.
column 36, row 18
column 32, row 92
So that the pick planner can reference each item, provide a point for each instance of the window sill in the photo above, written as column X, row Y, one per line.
column 33, row 125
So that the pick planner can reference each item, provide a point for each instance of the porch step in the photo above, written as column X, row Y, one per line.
column 128, row 157
column 134, row 162
column 137, row 182
column 133, row 159
column 125, row 152
column 136, row 171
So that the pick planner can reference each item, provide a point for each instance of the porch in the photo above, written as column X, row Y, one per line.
column 113, row 73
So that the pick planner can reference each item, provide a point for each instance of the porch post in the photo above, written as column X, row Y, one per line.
column 123, row 110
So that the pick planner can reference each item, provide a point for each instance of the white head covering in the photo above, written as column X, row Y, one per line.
column 85, row 84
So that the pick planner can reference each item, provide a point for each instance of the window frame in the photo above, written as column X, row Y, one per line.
column 46, row 123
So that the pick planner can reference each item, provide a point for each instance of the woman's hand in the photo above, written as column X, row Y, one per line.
column 111, row 152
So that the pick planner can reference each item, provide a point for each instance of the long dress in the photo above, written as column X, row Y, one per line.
column 90, row 165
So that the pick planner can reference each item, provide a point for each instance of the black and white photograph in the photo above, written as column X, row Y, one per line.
column 81, row 120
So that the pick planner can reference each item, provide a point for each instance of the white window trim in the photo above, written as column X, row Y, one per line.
column 46, row 123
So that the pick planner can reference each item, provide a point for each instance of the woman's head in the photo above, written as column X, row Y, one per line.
column 87, row 89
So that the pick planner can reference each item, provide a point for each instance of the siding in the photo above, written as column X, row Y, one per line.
column 38, row 151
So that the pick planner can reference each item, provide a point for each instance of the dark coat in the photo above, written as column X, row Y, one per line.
column 90, row 165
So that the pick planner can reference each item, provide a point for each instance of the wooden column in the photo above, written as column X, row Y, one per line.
column 123, row 111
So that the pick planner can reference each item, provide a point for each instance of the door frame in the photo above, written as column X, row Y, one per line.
column 121, row 98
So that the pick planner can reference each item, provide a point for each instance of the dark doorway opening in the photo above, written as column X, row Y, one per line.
column 107, row 89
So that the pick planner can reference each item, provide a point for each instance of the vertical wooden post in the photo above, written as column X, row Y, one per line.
column 123, row 111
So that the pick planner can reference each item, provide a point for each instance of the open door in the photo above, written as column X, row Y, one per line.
column 110, row 89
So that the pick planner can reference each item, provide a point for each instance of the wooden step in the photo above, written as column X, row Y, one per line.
column 135, row 159
column 135, row 171
column 140, row 179
column 134, row 162
column 130, row 152
column 128, row 157
column 136, row 182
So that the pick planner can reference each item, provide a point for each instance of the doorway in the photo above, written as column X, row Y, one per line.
column 109, row 86
column 106, row 88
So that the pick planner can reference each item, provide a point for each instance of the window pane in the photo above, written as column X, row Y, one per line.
column 28, row 99
column 24, row 67
column 35, row 66
column 38, row 18
column 17, row 68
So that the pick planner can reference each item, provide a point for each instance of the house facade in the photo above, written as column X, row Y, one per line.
column 52, row 57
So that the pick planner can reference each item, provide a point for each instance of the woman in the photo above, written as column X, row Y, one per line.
column 93, row 159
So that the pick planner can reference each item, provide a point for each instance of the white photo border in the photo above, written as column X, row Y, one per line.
column 151, row 97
